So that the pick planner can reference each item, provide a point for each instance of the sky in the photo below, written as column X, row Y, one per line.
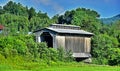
column 106, row 8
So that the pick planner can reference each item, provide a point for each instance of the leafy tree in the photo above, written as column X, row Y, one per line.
column 85, row 18
column 20, row 19
column 16, row 9
column 38, row 23
column 1, row 10
column 42, row 15
column 55, row 18
column 9, row 7
column 101, row 47
column 14, row 23
column 31, row 13
column 114, row 56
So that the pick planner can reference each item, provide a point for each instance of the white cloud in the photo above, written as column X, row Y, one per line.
column 62, row 13
column 45, row 2
column 3, row 3
column 55, row 6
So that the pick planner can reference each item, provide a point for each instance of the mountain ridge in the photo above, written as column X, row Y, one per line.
column 110, row 20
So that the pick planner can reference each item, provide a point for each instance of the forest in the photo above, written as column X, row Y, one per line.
column 17, row 40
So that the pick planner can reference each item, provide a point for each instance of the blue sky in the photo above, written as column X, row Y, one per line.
column 106, row 8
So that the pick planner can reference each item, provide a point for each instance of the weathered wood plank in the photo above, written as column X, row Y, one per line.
column 60, row 41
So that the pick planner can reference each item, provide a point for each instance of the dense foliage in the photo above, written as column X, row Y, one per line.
column 24, row 46
column 17, row 18
column 18, row 21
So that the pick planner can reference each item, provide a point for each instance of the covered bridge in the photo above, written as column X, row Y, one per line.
column 67, row 36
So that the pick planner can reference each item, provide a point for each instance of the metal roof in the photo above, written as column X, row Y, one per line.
column 69, row 31
column 64, row 25
column 66, row 29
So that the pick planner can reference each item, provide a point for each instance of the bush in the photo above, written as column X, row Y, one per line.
column 114, row 57
column 2, row 59
column 103, row 48
column 100, row 60
column 51, row 54
column 21, row 48
column 64, row 55
column 11, row 45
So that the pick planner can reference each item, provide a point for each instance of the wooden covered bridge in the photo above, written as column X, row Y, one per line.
column 67, row 36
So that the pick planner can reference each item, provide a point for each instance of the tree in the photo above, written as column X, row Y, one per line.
column 101, row 46
column 85, row 18
column 1, row 10
column 31, row 13
column 55, row 18
column 16, row 9
column 9, row 7
column 15, row 23
column 42, row 15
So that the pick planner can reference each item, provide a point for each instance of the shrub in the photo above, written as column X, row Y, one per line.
column 103, row 48
column 53, row 54
column 114, row 57
column 42, row 50
column 12, row 47
column 64, row 55
column 2, row 59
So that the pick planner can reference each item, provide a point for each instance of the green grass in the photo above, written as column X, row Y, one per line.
column 83, row 68
column 58, row 67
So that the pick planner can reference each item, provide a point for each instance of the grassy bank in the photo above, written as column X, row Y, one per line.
column 83, row 68
column 59, row 66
